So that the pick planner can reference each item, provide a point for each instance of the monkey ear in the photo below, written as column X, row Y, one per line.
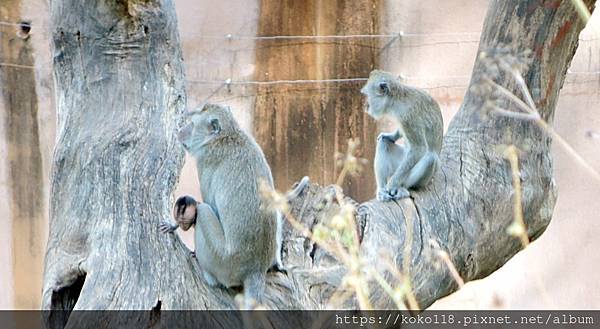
column 215, row 126
column 384, row 88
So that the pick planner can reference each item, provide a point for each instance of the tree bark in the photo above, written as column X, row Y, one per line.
column 120, row 90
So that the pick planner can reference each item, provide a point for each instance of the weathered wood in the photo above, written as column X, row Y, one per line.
column 468, row 208
column 25, row 185
column 302, row 126
column 119, row 82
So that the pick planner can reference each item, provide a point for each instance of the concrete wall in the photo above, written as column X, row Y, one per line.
column 557, row 271
column 27, row 130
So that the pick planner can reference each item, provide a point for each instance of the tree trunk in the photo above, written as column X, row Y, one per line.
column 119, row 82
column 120, row 92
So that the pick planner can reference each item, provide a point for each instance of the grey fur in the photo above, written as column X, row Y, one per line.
column 400, row 168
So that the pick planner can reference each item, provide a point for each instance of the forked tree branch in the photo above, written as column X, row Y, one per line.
column 117, row 159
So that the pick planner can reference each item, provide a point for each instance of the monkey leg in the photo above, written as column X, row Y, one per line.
column 388, row 157
column 396, row 187
column 422, row 172
column 210, row 244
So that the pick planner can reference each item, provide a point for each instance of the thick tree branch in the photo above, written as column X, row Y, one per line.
column 469, row 207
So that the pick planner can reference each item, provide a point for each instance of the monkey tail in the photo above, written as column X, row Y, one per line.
column 298, row 189
column 254, row 287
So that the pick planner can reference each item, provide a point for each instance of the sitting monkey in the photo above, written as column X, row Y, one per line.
column 399, row 168
column 236, row 235
column 185, row 212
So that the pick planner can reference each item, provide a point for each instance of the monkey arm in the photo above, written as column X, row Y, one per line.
column 167, row 227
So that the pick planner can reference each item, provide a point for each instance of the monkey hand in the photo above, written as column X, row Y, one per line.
column 166, row 227
column 383, row 195
column 392, row 193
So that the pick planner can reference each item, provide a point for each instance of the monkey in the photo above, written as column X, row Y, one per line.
column 400, row 168
column 236, row 235
column 185, row 213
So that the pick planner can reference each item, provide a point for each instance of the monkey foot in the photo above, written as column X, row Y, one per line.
column 278, row 268
column 392, row 194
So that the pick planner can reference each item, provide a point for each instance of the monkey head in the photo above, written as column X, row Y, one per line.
column 185, row 211
column 383, row 92
column 206, row 125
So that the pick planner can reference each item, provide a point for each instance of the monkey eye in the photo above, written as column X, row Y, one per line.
column 215, row 126
column 383, row 87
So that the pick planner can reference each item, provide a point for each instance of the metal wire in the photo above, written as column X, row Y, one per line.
column 17, row 65
column 393, row 37
column 331, row 36
column 10, row 24
column 275, row 82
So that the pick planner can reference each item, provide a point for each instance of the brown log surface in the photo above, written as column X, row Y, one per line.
column 301, row 127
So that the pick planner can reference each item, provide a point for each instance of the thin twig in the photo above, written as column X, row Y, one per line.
column 582, row 10
column 515, row 115
column 510, row 95
column 390, row 267
column 541, row 123
column 518, row 227
column 406, row 260
column 445, row 258
column 387, row 288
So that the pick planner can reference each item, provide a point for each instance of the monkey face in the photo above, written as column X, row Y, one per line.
column 202, row 128
column 184, row 212
column 378, row 92
column 187, row 219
